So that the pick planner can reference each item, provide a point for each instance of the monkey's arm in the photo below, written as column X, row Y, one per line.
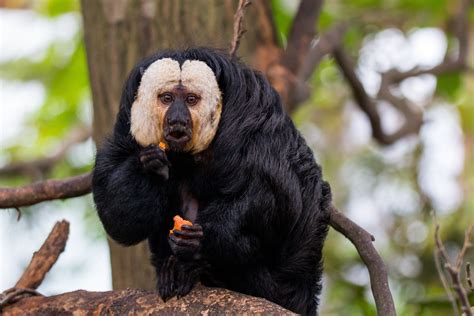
column 129, row 198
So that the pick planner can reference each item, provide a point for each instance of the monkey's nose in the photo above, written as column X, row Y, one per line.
column 178, row 121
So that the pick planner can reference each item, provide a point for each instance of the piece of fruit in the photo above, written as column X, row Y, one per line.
column 162, row 145
column 178, row 222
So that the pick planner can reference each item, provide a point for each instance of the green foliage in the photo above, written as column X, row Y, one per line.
column 448, row 85
column 57, row 7
column 62, row 70
column 282, row 20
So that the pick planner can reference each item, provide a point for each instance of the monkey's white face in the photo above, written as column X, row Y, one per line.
column 178, row 105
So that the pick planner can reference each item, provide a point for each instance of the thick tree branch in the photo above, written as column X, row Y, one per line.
column 302, row 33
column 200, row 301
column 45, row 191
column 363, row 241
column 323, row 46
column 38, row 167
column 44, row 259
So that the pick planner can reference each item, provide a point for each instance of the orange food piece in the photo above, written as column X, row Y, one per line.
column 162, row 145
column 178, row 222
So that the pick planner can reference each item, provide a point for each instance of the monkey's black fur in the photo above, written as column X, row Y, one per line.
column 263, row 205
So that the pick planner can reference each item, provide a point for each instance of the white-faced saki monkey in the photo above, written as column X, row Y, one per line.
column 203, row 136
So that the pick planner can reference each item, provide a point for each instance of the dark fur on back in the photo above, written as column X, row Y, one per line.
column 263, row 204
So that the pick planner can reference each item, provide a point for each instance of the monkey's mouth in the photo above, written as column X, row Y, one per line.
column 177, row 137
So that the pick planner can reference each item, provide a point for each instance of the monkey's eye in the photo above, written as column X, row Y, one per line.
column 192, row 99
column 166, row 98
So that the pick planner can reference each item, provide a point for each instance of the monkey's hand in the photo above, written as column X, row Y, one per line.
column 154, row 160
column 186, row 246
column 186, row 243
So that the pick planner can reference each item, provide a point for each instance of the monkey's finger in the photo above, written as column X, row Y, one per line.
column 163, row 286
column 193, row 227
column 191, row 277
column 189, row 234
column 150, row 152
column 154, row 153
column 154, row 156
column 154, row 164
column 146, row 160
column 182, row 242
column 168, row 268
column 184, row 289
column 181, row 277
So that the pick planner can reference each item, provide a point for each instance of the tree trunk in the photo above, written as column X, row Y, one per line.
column 118, row 33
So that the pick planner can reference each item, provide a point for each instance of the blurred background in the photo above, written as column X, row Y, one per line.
column 390, row 190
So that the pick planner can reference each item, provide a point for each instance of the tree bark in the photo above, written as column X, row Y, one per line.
column 118, row 33
column 201, row 301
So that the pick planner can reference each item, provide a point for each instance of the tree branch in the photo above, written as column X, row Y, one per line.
column 323, row 46
column 456, row 62
column 454, row 270
column 38, row 167
column 44, row 259
column 200, row 300
column 468, row 276
column 288, row 70
column 302, row 33
column 45, row 191
column 363, row 241
column 413, row 118
column 238, row 26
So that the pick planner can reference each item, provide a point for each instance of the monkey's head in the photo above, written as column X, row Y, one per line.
column 179, row 104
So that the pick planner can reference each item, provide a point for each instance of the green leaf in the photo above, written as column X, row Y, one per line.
column 57, row 7
column 448, row 85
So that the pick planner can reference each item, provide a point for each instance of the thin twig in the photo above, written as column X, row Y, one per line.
column 45, row 191
column 454, row 270
column 468, row 276
column 18, row 213
column 444, row 282
column 13, row 295
column 238, row 26
column 466, row 245
column 363, row 241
